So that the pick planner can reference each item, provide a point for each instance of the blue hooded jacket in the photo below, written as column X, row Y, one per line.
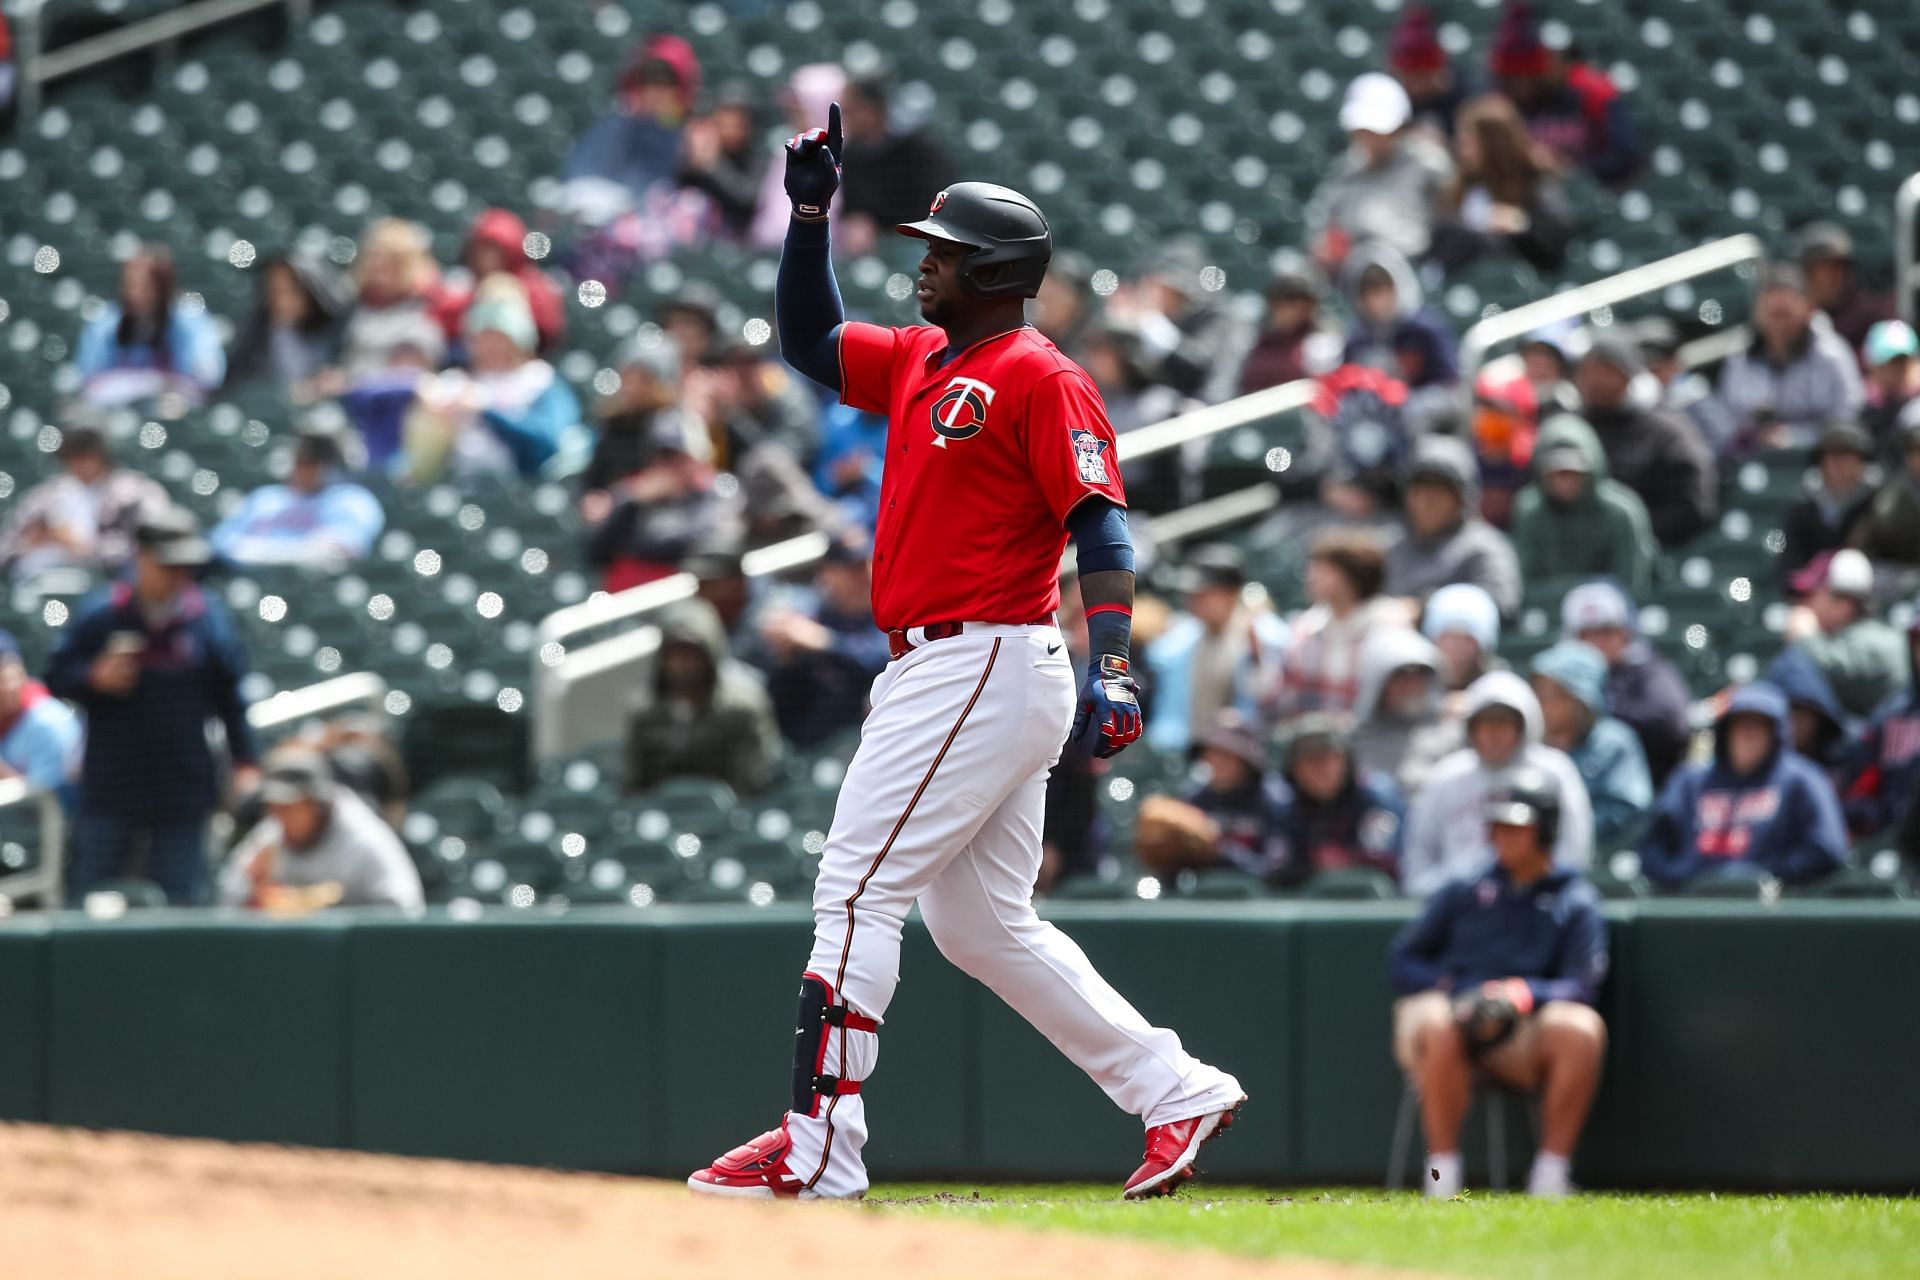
column 1882, row 767
column 1806, row 686
column 1783, row 818
column 1476, row 930
column 1610, row 758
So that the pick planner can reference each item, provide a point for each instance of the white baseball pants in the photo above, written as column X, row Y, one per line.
column 942, row 804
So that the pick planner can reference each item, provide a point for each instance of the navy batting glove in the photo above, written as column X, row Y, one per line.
column 813, row 168
column 1108, row 717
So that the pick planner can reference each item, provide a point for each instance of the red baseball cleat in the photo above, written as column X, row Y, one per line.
column 756, row 1170
column 1171, row 1151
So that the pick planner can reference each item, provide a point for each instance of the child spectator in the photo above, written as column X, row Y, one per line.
column 1575, row 521
column 1464, row 624
column 85, row 517
column 319, row 518
column 399, row 292
column 1796, row 375
column 320, row 845
column 497, row 245
column 1574, row 112
column 1863, row 658
column 1644, row 691
column 149, row 341
column 1836, row 498
column 294, row 333
column 1757, row 808
column 1570, row 680
column 1501, row 203
column 1381, row 191
column 1345, row 572
column 1402, row 727
column 1444, row 539
column 1504, row 427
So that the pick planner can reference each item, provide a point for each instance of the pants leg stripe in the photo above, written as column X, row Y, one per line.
column 846, row 947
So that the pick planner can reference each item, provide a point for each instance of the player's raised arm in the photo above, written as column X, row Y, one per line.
column 1108, row 715
column 806, row 297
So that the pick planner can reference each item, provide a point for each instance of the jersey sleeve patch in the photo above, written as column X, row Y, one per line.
column 1089, row 452
column 1070, row 443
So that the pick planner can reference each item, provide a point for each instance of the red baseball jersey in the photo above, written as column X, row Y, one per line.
column 986, row 456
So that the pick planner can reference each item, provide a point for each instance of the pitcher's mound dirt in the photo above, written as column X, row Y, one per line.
column 92, row 1206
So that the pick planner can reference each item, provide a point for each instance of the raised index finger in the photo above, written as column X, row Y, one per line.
column 833, row 130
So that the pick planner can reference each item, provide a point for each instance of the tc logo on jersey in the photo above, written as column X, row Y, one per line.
column 961, row 410
column 1088, row 451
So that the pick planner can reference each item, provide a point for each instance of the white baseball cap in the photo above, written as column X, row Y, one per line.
column 1845, row 573
column 1375, row 102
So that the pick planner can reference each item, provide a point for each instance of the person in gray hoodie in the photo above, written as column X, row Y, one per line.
column 704, row 714
column 1444, row 538
column 1401, row 726
column 1446, row 824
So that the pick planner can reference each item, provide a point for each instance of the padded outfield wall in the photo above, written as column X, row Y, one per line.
column 1752, row 1046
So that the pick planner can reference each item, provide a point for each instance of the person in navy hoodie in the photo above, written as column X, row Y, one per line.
column 1882, row 771
column 1759, row 808
column 1498, row 976
column 151, row 661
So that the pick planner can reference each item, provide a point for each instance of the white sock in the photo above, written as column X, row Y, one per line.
column 1443, row 1174
column 1550, row 1176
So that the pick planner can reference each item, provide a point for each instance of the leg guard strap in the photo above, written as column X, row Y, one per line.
column 819, row 1016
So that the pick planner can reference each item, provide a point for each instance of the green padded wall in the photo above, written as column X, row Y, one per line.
column 23, row 1021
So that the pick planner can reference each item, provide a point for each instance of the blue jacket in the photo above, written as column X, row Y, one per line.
column 43, row 743
column 849, row 433
column 277, row 524
column 147, row 757
column 1360, row 827
column 1805, row 685
column 1169, row 659
column 538, row 433
column 1475, row 930
column 1881, row 769
column 818, row 695
column 1610, row 759
column 193, row 348
column 1783, row 818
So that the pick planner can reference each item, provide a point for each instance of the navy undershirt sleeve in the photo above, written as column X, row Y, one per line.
column 1100, row 538
column 806, row 303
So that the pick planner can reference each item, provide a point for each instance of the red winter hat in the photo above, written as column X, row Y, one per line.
column 1414, row 45
column 1518, row 49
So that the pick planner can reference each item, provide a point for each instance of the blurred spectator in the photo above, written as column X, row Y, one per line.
column 1435, row 86
column 1295, row 339
column 1757, row 808
column 1796, row 375
column 1345, row 571
column 1654, row 452
column 319, row 846
column 720, row 580
column 635, row 146
column 84, row 517
column 1464, row 624
column 891, row 169
column 1546, row 359
column 852, row 454
column 809, row 91
column 1570, row 680
column 1383, row 188
column 748, row 402
column 1501, row 203
column 40, row 737
column 1402, row 728
column 1889, row 531
column 1575, row 521
column 1444, row 539
column 1074, row 833
column 1446, row 826
column 1837, row 497
column 823, row 658
column 361, row 753
column 150, row 340
column 1644, row 691
column 150, row 661
column 1393, row 330
column 777, row 501
column 507, row 412
column 1683, row 391
column 1834, row 624
column 1334, row 814
column 1231, row 814
column 691, row 321
column 399, row 291
column 1504, row 425
column 1574, row 113
column 1825, row 253
column 1218, row 653
column 497, row 245
column 377, row 399
column 721, row 154
column 1192, row 334
column 1892, row 357
column 646, row 523
column 703, row 714
column 1066, row 306
column 319, row 518
column 1357, row 443
column 1882, row 770
column 1499, row 976
column 1820, row 725
column 648, row 392
column 293, row 334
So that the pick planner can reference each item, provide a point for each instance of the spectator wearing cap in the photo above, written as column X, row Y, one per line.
column 1682, row 391
column 1231, row 814
column 1892, row 358
column 1334, row 814
column 1219, row 652
column 1394, row 331
column 1435, row 86
column 892, row 166
column 1575, row 114
column 1575, row 521
column 1837, row 496
column 1444, row 540
column 824, row 654
column 1384, row 187
column 319, row 518
column 1824, row 251
column 703, row 714
column 1295, row 340
column 1889, row 532
column 1501, row 203
column 1880, row 771
column 1757, row 808
column 319, row 846
column 294, row 332
column 151, row 661
column 721, row 155
column 1644, row 691
column 1192, row 336
column 1796, row 374
column 497, row 244
column 1834, row 624
column 40, row 737
column 1345, row 572
column 84, row 517
column 149, row 341
column 1446, row 832
column 1402, row 724
column 1570, row 680
column 1464, row 624
column 647, row 523
column 1657, row 453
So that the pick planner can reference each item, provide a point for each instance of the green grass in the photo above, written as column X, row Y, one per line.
column 1603, row 1236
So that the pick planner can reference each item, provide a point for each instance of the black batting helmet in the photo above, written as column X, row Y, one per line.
column 1006, row 231
column 1526, row 797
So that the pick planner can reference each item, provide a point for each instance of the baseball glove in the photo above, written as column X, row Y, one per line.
column 1489, row 1014
column 1171, row 834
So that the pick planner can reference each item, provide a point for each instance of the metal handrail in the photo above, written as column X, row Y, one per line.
column 1906, row 230
column 1508, row 325
column 290, row 706
column 44, row 881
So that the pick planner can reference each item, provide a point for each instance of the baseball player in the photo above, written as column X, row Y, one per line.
column 998, row 449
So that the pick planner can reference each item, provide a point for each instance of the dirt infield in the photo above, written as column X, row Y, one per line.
column 83, row 1206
